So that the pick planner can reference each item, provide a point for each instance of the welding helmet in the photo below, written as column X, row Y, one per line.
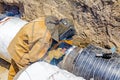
column 52, row 26
column 60, row 29
column 66, row 29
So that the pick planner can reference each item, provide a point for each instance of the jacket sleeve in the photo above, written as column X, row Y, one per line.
column 20, row 49
column 39, row 42
column 40, row 48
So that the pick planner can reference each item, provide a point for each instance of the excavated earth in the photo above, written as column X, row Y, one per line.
column 96, row 21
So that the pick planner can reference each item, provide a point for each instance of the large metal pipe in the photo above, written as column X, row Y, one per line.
column 44, row 71
column 84, row 63
column 80, row 62
column 9, row 27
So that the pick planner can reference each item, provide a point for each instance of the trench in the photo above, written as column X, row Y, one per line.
column 11, row 10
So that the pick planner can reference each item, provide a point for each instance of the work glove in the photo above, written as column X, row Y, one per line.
column 55, row 54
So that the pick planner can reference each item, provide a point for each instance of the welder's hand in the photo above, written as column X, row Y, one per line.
column 55, row 54
column 63, row 50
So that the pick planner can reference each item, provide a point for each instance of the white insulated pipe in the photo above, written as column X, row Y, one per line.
column 9, row 27
column 45, row 71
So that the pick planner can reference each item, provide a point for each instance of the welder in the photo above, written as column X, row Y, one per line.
column 35, row 42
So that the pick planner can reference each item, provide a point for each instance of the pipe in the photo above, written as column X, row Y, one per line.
column 44, row 71
column 9, row 27
column 84, row 63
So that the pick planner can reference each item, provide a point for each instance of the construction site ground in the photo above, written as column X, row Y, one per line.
column 4, row 66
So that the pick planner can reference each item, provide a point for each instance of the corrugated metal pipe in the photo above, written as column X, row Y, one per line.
column 84, row 63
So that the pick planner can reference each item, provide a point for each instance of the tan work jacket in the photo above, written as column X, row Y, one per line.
column 31, row 43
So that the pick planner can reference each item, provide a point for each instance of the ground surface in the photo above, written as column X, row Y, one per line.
column 96, row 20
column 3, row 69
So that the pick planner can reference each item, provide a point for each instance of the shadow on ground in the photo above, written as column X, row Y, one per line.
column 4, row 64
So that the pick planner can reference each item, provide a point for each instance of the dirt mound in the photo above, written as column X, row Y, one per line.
column 97, row 21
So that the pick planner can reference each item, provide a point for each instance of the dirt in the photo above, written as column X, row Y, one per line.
column 4, row 66
column 97, row 21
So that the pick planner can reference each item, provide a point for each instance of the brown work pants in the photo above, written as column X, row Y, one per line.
column 13, row 70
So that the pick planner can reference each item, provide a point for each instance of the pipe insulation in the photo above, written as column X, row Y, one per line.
column 84, row 63
column 9, row 27
column 43, row 71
